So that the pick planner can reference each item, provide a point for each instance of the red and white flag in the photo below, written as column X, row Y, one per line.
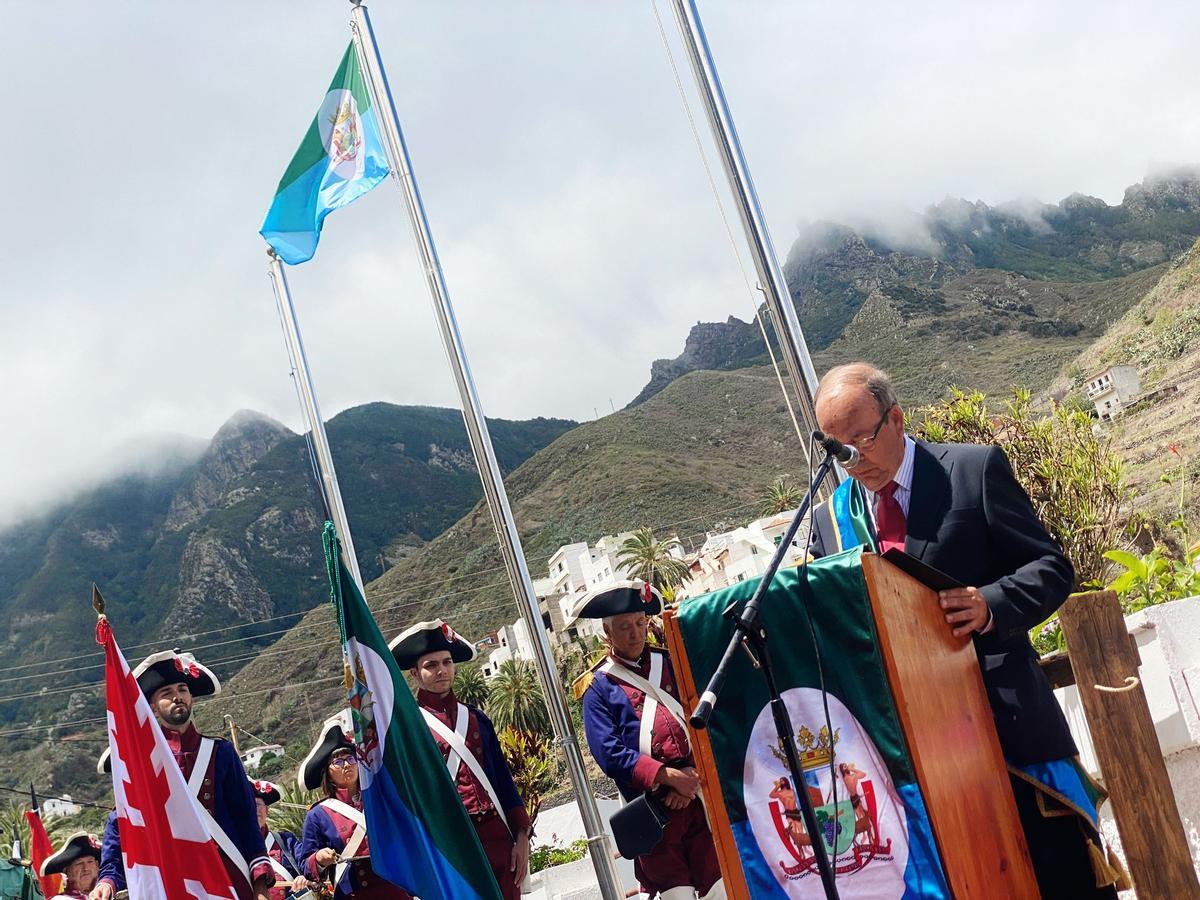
column 169, row 852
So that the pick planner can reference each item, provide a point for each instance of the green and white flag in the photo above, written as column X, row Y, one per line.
column 856, row 764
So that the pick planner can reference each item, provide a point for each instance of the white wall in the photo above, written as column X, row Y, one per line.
column 1168, row 639
column 1125, row 380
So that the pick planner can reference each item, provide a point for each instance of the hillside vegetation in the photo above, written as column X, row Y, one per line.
column 698, row 455
column 196, row 553
column 1160, row 437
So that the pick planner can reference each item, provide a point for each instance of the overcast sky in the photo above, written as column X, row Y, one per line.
column 574, row 221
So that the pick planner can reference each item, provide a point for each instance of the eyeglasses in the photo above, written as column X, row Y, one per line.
column 343, row 762
column 867, row 443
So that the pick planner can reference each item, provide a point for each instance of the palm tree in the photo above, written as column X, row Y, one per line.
column 470, row 686
column 781, row 497
column 289, row 813
column 652, row 560
column 516, row 698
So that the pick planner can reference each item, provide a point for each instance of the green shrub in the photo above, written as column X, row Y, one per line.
column 1070, row 473
column 556, row 855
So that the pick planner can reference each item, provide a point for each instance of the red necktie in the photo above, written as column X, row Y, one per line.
column 890, row 522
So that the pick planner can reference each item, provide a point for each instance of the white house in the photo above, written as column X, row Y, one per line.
column 573, row 570
column 59, row 806
column 505, row 649
column 252, row 758
column 565, row 568
column 733, row 556
column 1111, row 389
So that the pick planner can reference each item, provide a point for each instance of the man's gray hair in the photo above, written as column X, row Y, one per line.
column 874, row 381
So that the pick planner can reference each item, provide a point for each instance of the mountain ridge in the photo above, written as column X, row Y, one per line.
column 989, row 258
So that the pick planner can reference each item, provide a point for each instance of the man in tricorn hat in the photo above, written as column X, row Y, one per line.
column 78, row 861
column 637, row 733
column 171, row 682
column 467, row 739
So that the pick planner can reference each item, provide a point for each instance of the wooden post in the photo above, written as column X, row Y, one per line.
column 714, row 801
column 1131, row 763
column 233, row 735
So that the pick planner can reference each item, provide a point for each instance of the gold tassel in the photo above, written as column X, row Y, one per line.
column 1108, row 868
column 1124, row 882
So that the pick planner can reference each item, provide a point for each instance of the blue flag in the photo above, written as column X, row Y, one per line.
column 339, row 160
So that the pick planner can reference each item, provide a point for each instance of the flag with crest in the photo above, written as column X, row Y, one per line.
column 426, row 842
column 855, row 764
column 340, row 159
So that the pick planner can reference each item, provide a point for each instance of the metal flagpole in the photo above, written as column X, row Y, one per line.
column 485, row 457
column 312, row 414
column 737, row 171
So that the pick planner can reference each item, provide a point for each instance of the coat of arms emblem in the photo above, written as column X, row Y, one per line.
column 345, row 135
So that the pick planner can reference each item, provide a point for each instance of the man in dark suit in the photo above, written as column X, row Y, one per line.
column 959, row 508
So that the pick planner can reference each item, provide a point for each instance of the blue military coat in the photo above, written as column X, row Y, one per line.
column 323, row 828
column 283, row 849
column 612, row 721
column 112, row 867
column 225, row 793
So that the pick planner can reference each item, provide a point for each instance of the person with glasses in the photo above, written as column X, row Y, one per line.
column 959, row 508
column 334, row 846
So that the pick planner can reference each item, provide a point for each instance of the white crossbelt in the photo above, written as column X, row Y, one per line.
column 195, row 782
column 280, row 870
column 655, row 695
column 356, row 837
column 458, row 746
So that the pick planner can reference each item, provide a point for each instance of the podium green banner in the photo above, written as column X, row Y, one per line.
column 856, row 765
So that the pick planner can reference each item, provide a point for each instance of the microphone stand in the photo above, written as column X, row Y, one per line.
column 750, row 636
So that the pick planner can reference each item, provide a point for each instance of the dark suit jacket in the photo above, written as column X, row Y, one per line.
column 969, row 517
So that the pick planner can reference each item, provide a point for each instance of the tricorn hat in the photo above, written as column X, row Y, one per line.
column 172, row 667
column 622, row 597
column 266, row 791
column 430, row 637
column 104, row 763
column 336, row 734
column 77, row 846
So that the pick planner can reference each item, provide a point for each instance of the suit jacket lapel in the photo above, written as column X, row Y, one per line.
column 929, row 501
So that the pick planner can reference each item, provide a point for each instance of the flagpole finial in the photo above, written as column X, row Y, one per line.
column 97, row 601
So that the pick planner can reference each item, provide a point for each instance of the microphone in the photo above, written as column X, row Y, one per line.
column 845, row 454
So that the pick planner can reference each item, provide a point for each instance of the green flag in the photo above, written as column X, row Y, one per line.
column 856, row 766
column 421, row 836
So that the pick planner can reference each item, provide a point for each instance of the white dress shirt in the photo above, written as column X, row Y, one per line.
column 903, row 479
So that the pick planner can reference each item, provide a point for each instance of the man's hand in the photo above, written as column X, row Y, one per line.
column 299, row 883
column 326, row 857
column 966, row 610
column 672, row 799
column 519, row 863
column 102, row 891
column 683, row 781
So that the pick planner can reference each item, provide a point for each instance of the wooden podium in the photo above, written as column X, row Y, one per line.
column 947, row 723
